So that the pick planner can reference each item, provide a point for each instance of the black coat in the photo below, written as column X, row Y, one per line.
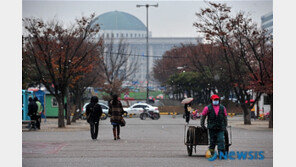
column 187, row 113
column 94, row 111
column 32, row 108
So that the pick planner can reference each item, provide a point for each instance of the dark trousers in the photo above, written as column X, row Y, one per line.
column 187, row 116
column 217, row 138
column 94, row 129
column 227, row 144
column 34, row 121
column 38, row 121
column 116, row 127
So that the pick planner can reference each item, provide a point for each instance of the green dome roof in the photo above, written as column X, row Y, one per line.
column 116, row 20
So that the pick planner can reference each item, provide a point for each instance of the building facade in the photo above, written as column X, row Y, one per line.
column 117, row 25
column 267, row 22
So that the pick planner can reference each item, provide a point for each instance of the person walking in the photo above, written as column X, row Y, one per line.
column 39, row 111
column 116, row 111
column 32, row 112
column 217, row 123
column 93, row 114
column 187, row 108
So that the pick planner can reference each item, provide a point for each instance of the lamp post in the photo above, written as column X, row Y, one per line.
column 147, row 46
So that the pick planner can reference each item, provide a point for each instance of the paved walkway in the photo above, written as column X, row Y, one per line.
column 143, row 143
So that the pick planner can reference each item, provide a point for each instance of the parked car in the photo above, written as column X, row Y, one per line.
column 105, row 110
column 138, row 108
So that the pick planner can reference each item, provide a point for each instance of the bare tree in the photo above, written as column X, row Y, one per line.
column 78, row 89
column 118, row 65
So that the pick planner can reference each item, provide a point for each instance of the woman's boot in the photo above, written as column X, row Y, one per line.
column 114, row 133
column 118, row 132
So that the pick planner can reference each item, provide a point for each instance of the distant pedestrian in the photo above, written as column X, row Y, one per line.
column 187, row 108
column 39, row 111
column 32, row 112
column 93, row 114
column 116, row 111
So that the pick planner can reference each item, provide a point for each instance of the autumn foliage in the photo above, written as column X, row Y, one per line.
column 236, row 55
column 60, row 55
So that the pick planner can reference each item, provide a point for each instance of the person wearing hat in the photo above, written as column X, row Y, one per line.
column 216, row 123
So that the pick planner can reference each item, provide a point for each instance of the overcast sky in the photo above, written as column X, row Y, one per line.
column 170, row 19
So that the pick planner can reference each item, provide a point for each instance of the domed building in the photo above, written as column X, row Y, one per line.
column 117, row 25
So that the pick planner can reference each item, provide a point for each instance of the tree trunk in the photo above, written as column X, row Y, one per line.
column 80, row 102
column 271, row 111
column 76, row 115
column 78, row 106
column 258, row 110
column 247, row 114
column 61, row 122
column 189, row 93
column 68, row 114
column 68, row 107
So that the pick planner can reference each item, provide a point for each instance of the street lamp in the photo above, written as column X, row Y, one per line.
column 147, row 45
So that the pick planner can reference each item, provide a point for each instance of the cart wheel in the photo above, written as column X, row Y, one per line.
column 190, row 134
column 189, row 141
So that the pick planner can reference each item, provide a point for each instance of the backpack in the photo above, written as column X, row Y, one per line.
column 88, row 117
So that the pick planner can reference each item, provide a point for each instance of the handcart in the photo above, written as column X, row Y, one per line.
column 195, row 135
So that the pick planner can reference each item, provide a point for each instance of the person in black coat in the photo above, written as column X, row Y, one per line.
column 93, row 113
column 187, row 113
column 32, row 112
